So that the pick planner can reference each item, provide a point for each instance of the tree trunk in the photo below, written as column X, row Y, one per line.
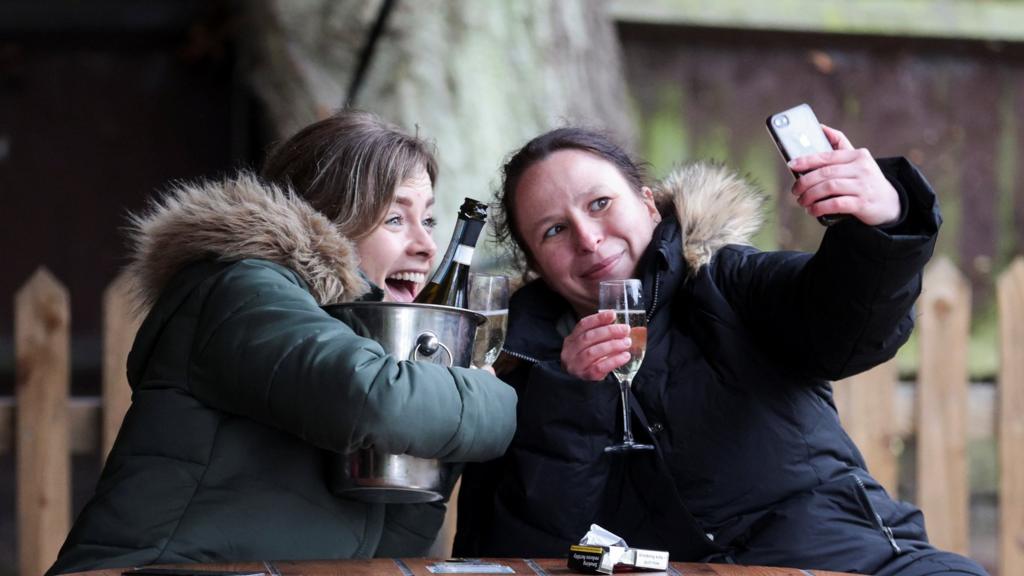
column 478, row 78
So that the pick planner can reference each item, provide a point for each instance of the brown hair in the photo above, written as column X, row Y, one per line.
column 348, row 166
column 505, row 226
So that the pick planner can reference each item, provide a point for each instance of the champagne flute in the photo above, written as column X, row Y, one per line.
column 625, row 298
column 488, row 295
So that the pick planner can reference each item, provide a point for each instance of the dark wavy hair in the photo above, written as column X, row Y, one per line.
column 506, row 228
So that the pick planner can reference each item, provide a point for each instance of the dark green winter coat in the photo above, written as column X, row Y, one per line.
column 244, row 390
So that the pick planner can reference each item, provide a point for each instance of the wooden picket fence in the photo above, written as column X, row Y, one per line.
column 50, row 425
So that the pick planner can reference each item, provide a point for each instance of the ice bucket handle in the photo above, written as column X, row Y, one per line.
column 427, row 344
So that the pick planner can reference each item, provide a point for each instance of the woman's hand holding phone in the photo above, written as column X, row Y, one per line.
column 847, row 181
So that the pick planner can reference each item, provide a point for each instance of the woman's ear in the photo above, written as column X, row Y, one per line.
column 647, row 197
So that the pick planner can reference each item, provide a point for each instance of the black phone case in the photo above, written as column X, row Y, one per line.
column 797, row 133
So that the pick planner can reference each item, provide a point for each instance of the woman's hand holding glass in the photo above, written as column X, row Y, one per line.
column 596, row 346
column 599, row 345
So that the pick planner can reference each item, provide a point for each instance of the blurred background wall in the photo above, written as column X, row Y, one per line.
column 102, row 103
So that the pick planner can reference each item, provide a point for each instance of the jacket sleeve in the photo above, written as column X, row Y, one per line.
column 265, row 350
column 543, row 494
column 847, row 307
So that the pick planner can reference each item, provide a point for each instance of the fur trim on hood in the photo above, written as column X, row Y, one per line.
column 715, row 206
column 239, row 218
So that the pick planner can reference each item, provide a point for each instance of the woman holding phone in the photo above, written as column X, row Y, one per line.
column 243, row 388
column 750, row 463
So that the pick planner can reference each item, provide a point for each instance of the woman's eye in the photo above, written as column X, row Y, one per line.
column 430, row 223
column 553, row 230
column 599, row 204
column 395, row 220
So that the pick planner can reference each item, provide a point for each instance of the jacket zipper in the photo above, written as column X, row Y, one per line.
column 520, row 356
column 654, row 299
column 869, row 509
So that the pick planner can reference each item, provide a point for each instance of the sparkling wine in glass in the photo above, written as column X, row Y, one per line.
column 488, row 295
column 625, row 298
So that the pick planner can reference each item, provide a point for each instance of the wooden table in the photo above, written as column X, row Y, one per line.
column 419, row 567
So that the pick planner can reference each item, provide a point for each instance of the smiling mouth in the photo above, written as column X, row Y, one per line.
column 403, row 286
column 599, row 269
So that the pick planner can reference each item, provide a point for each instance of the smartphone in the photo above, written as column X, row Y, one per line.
column 797, row 133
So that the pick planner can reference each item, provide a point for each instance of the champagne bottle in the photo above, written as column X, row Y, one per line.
column 449, row 285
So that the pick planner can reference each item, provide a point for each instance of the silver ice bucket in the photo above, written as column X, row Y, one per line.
column 421, row 332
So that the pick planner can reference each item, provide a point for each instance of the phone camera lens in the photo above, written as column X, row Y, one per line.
column 781, row 121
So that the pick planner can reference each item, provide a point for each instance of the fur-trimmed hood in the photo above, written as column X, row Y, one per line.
column 239, row 218
column 715, row 206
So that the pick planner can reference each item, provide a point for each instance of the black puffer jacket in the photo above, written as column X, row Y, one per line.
column 752, row 464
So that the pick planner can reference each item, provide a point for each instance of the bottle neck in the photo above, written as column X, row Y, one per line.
column 461, row 248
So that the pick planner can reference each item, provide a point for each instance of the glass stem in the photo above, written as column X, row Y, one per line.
column 627, row 432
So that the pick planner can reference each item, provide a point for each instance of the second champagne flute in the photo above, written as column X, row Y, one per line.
column 488, row 295
column 625, row 298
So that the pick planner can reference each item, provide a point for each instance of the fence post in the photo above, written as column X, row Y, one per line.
column 1010, row 295
column 866, row 404
column 119, row 328
column 942, row 485
column 42, row 342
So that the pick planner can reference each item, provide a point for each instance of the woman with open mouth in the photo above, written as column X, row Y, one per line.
column 244, row 388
